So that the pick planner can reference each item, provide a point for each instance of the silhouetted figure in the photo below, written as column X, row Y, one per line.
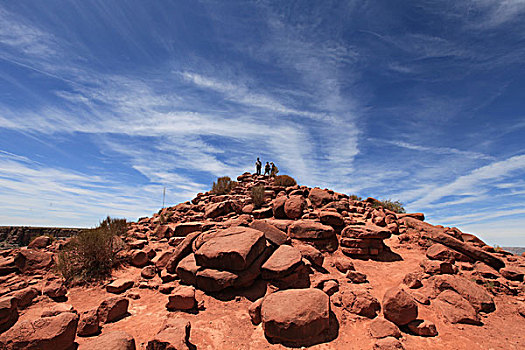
column 274, row 170
column 258, row 166
column 267, row 169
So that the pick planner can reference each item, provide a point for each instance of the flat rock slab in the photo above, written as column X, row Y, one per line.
column 187, row 269
column 48, row 333
column 185, row 228
column 120, row 285
column 295, row 315
column 368, row 231
column 272, row 233
column 281, row 263
column 232, row 249
column 310, row 229
column 116, row 340
column 182, row 298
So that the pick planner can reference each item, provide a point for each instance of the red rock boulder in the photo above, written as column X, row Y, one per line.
column 399, row 306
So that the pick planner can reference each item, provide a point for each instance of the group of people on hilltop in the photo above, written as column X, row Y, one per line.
column 269, row 169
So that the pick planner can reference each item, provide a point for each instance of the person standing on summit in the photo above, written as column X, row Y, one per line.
column 258, row 166
column 267, row 169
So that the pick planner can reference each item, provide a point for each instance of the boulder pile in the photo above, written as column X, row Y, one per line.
column 304, row 266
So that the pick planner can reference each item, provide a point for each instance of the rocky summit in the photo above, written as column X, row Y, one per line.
column 309, row 267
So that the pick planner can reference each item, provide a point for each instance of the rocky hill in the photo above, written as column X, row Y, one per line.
column 311, row 268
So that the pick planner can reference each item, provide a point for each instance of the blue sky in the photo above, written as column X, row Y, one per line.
column 103, row 103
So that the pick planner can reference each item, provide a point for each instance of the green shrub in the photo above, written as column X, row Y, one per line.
column 285, row 181
column 355, row 197
column 223, row 185
column 395, row 206
column 257, row 195
column 92, row 254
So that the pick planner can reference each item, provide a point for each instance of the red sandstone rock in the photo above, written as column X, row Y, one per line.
column 311, row 253
column 399, row 307
column 175, row 335
column 185, row 228
column 512, row 274
column 25, row 296
column 388, row 343
column 295, row 315
column 113, row 309
column 148, row 272
column 88, row 324
column 281, row 263
column 361, row 302
column 320, row 197
column 368, row 231
column 440, row 252
column 182, row 298
column 294, row 207
column 49, row 333
column 139, row 258
column 114, row 340
column 271, row 233
column 182, row 250
column 456, row 309
column 331, row 218
column 255, row 311
column 31, row 260
column 344, row 264
column 476, row 295
column 119, row 285
column 8, row 312
column 278, row 207
column 381, row 328
column 310, row 229
column 39, row 242
column 231, row 249
column 55, row 289
column 423, row 328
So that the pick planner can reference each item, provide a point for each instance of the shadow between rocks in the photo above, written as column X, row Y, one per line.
column 330, row 334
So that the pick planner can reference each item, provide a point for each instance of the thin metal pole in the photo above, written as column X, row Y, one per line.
column 163, row 197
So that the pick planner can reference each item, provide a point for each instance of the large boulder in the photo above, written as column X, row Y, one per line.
column 382, row 328
column 182, row 298
column 476, row 295
column 231, row 249
column 187, row 269
column 55, row 289
column 272, row 233
column 89, row 323
column 39, row 242
column 331, row 218
column 368, row 231
column 281, row 263
column 25, row 296
column 456, row 309
column 8, row 312
column 310, row 229
column 399, row 306
column 361, row 302
column 114, row 340
column 183, row 249
column 320, row 197
column 48, row 333
column 31, row 260
column 438, row 251
column 294, row 207
column 311, row 254
column 185, row 228
column 113, row 309
column 438, row 235
column 214, row 210
column 295, row 315
column 278, row 207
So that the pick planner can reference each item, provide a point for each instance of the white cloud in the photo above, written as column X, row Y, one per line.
column 476, row 182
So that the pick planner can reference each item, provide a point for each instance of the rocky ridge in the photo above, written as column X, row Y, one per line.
column 311, row 267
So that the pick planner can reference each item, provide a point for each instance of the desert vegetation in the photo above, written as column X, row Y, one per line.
column 93, row 253
column 285, row 181
column 223, row 185
column 257, row 195
column 395, row 206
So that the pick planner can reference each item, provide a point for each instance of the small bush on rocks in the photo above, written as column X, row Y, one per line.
column 93, row 253
column 285, row 181
column 257, row 194
column 355, row 197
column 223, row 185
column 395, row 206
